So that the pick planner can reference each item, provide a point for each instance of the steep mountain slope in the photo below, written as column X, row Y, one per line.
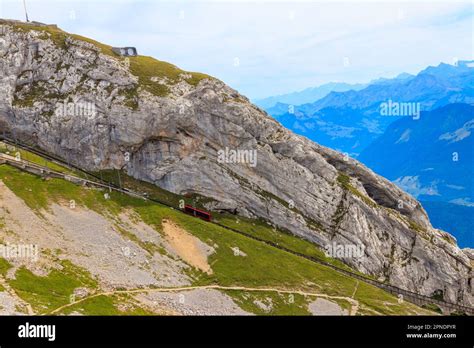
column 116, row 254
column 350, row 121
column 169, row 127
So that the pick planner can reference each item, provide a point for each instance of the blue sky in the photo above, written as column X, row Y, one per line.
column 264, row 48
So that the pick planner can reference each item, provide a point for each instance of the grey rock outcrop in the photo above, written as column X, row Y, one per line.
column 173, row 139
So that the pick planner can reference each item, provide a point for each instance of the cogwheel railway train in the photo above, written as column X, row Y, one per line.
column 204, row 215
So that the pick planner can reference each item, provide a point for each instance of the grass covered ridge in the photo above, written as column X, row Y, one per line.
column 144, row 67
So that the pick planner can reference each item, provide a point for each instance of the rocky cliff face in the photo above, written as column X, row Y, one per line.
column 76, row 99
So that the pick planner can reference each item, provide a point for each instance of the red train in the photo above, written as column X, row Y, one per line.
column 204, row 215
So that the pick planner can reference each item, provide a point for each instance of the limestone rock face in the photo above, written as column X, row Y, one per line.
column 178, row 139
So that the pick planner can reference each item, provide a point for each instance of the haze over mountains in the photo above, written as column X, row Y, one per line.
column 349, row 121
column 417, row 150
column 307, row 95
column 276, row 105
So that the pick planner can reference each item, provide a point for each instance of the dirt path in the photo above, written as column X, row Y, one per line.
column 353, row 311
column 355, row 307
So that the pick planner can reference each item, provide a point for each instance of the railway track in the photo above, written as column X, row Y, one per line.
column 97, row 181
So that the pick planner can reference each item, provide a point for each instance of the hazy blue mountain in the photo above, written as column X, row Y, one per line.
column 279, row 109
column 430, row 158
column 400, row 77
column 277, row 105
column 349, row 121
column 433, row 159
column 454, row 218
column 343, row 129
column 308, row 95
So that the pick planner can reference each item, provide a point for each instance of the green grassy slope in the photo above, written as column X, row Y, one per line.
column 262, row 267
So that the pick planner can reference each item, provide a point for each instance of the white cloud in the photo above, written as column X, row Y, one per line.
column 282, row 46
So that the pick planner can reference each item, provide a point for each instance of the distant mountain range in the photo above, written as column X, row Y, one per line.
column 350, row 121
column 276, row 105
column 414, row 130
column 433, row 87
column 281, row 104
column 308, row 95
